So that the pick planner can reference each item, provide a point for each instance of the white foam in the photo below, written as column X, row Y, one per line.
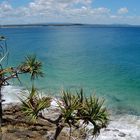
column 124, row 127
column 54, row 103
column 11, row 93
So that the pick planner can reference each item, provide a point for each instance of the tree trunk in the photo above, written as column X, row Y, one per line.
column 0, row 108
column 57, row 132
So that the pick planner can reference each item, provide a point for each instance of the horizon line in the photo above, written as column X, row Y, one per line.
column 68, row 24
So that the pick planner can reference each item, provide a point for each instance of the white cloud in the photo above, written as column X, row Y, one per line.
column 4, row 7
column 80, row 11
column 101, row 10
column 123, row 10
column 50, row 9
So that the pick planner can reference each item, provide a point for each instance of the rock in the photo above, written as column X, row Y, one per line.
column 121, row 134
column 49, row 135
column 8, row 136
column 16, row 127
column 37, row 128
column 107, row 129
column 115, row 130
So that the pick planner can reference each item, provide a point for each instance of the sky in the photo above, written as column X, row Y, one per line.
column 70, row 11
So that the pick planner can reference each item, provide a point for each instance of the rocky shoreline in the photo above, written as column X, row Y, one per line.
column 15, row 126
column 121, row 127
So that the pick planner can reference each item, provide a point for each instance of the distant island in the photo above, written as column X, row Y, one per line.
column 65, row 24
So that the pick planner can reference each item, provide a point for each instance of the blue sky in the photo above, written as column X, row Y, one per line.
column 75, row 11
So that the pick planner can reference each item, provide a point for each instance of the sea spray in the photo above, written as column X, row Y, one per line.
column 11, row 93
column 121, row 127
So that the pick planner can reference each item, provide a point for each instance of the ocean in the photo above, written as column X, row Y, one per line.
column 102, row 60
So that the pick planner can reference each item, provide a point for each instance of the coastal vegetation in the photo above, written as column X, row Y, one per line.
column 30, row 65
column 74, row 110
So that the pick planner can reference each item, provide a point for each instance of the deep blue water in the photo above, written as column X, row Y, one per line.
column 102, row 60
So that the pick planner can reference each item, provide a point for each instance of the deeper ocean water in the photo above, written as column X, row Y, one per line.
column 102, row 60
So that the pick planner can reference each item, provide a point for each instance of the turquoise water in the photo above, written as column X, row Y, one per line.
column 102, row 60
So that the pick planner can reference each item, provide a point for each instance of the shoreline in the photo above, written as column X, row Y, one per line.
column 117, row 128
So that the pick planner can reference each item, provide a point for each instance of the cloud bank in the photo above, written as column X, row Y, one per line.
column 75, row 11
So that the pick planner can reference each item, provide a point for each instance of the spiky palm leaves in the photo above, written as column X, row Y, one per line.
column 78, row 107
column 33, row 66
column 74, row 108
column 70, row 104
column 68, row 107
column 92, row 111
column 33, row 104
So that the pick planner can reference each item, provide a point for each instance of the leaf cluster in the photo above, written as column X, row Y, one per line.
column 33, row 66
column 33, row 104
column 88, row 109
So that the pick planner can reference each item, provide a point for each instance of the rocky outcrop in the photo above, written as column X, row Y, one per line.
column 17, row 127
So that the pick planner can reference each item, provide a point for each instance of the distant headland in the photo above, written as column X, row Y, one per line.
column 65, row 24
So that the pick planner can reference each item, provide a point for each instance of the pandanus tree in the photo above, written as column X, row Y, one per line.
column 31, row 66
column 75, row 108
column 33, row 103
column 78, row 108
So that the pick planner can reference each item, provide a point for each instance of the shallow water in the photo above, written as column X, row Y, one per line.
column 105, row 61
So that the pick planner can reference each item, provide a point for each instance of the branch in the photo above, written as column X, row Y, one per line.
column 51, row 121
column 10, row 77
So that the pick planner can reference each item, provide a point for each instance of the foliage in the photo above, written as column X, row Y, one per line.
column 77, row 107
column 30, row 65
column 93, row 111
column 74, row 107
column 69, row 107
column 33, row 66
column 33, row 104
